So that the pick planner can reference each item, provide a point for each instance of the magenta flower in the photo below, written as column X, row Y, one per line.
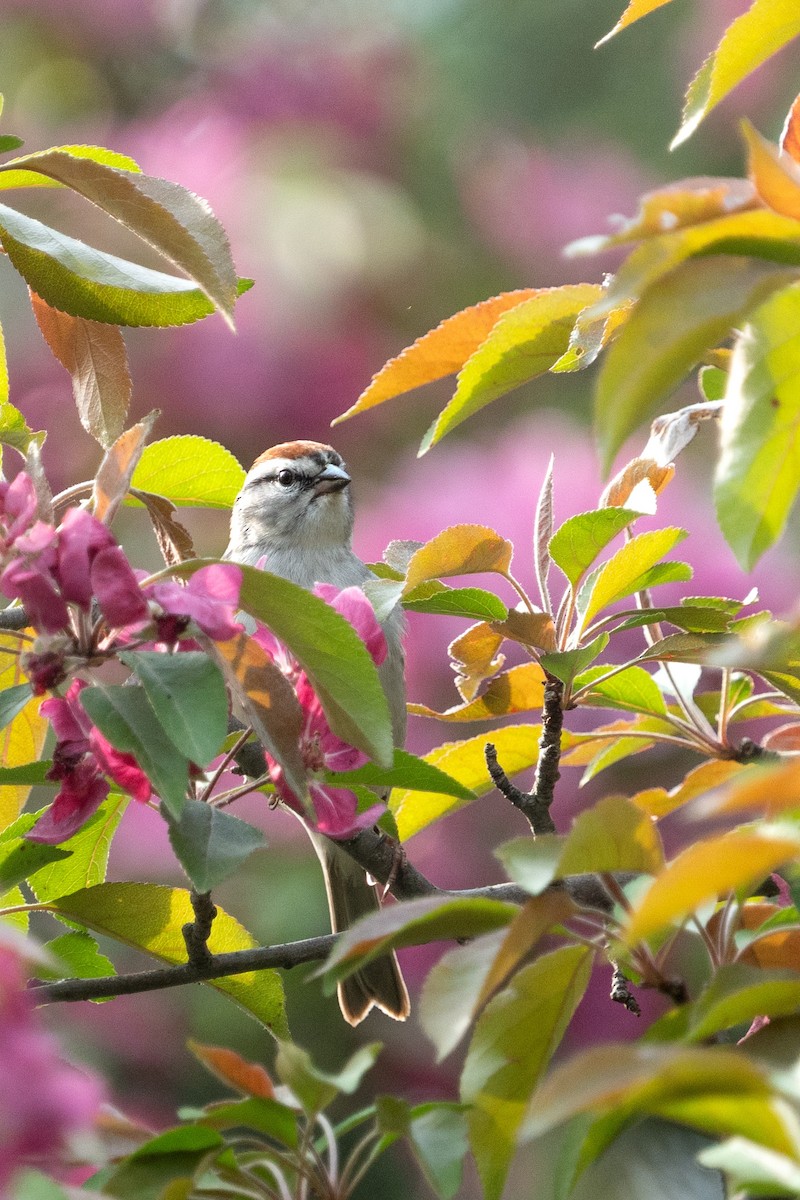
column 81, row 537
column 81, row 760
column 210, row 599
column 44, row 1100
column 322, row 750
column 116, row 587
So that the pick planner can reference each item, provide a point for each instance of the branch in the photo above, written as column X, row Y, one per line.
column 13, row 619
column 197, row 932
column 535, row 805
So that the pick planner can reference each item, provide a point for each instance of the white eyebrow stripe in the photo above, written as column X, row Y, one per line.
column 269, row 470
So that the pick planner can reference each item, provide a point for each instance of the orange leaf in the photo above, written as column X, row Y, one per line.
column 247, row 1077
column 778, row 948
column 790, row 135
column 703, row 872
column 536, row 631
column 776, row 175
column 519, row 690
column 658, row 802
column 116, row 470
column 771, row 790
column 475, row 657
column 440, row 352
column 619, row 490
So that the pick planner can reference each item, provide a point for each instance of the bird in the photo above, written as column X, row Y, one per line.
column 294, row 518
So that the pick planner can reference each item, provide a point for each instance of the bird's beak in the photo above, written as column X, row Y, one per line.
column 332, row 479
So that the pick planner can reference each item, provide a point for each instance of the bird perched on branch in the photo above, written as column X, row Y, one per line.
column 294, row 517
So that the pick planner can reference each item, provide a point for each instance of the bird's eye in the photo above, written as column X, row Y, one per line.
column 286, row 477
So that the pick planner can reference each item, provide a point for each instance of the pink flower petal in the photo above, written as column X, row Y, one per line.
column 80, row 537
column 336, row 811
column 210, row 598
column 117, row 590
column 19, row 505
column 122, row 768
column 353, row 605
column 34, row 587
column 82, row 792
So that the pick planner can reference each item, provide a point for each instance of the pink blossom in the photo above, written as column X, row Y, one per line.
column 44, row 1100
column 210, row 599
column 31, row 582
column 117, row 590
column 353, row 605
column 81, row 759
column 81, row 537
column 18, row 501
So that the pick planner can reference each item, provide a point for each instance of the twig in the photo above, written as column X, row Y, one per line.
column 13, row 618
column 197, row 932
column 535, row 805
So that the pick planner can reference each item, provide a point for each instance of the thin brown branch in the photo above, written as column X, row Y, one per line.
column 197, row 932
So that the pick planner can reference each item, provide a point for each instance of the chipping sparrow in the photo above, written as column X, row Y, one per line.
column 294, row 517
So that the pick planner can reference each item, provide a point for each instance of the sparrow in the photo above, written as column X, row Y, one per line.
column 294, row 518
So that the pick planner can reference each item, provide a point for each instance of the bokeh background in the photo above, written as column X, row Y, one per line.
column 378, row 164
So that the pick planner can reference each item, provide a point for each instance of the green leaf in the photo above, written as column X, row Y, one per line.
column 712, row 382
column 577, row 543
column 151, row 917
column 685, row 647
column 11, row 177
column 88, row 857
column 191, row 471
column 14, row 429
column 474, row 603
column 270, row 1117
column 737, row 993
column 747, row 42
column 624, row 572
column 524, row 342
column 85, row 282
column 517, row 749
column 566, row 664
column 19, row 859
column 125, row 716
column 8, row 141
column 633, row 690
column 336, row 660
column 169, row 218
column 409, row 924
column 515, row 1038
column 170, row 1158
column 613, row 835
column 316, row 1089
column 693, row 308
column 689, row 616
column 32, row 1185
column 28, row 773
column 188, row 696
column 758, row 472
column 210, row 844
column 408, row 771
column 78, row 956
column 12, row 702
column 437, row 1135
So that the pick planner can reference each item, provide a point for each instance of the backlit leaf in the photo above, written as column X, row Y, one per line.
column 408, row 771
column 473, row 603
column 633, row 689
column 514, row 1040
column 440, row 352
column 119, row 462
column 738, row 993
column 151, row 917
column 705, row 870
column 747, row 42
column 88, row 853
column 173, row 220
column 524, row 342
column 658, row 802
column 622, row 574
column 191, row 471
column 249, row 1078
column 22, row 740
column 566, row 664
column 772, row 789
column 521, row 689
column 459, row 550
column 577, row 543
column 19, row 177
column 517, row 749
column 694, row 307
column 634, row 12
column 758, row 472
column 85, row 282
column 14, row 430
column 95, row 356
column 775, row 174
column 475, row 658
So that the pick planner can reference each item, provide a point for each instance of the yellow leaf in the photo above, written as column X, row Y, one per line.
column 517, row 749
column 771, row 790
column 459, row 550
column 519, row 690
column 746, row 44
column 775, row 174
column 632, row 474
column 658, row 802
column 21, row 741
column 705, row 871
column 474, row 656
column 634, row 12
column 440, row 352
